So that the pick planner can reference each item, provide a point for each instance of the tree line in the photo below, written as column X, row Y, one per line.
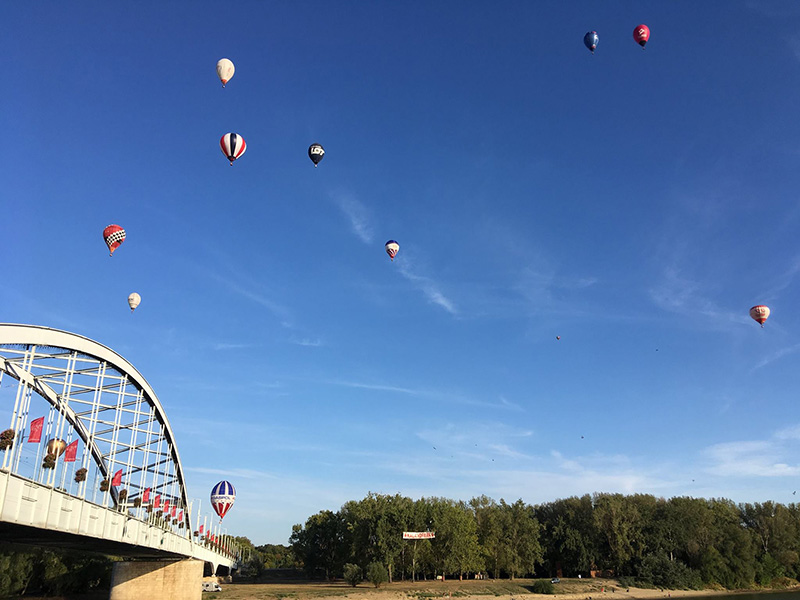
column 675, row 543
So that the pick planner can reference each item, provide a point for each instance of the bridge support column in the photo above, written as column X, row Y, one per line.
column 143, row 579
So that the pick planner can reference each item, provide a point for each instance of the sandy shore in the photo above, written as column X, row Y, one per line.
column 587, row 590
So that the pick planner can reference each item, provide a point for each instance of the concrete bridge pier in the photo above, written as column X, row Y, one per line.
column 145, row 579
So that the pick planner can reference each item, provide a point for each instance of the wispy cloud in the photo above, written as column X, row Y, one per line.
column 427, row 286
column 772, row 457
column 231, row 346
column 309, row 342
column 357, row 213
column 679, row 294
column 778, row 354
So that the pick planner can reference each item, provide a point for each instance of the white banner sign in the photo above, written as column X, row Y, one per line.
column 419, row 535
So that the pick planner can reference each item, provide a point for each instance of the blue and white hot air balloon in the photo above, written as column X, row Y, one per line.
column 222, row 498
column 590, row 40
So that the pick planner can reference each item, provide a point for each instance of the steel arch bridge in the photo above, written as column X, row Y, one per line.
column 103, row 410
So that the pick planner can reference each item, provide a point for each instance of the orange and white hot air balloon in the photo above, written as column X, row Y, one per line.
column 759, row 313
column 225, row 70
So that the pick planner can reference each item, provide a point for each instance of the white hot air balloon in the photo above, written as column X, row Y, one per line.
column 133, row 301
column 225, row 70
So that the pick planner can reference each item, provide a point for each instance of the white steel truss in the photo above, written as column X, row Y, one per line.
column 99, row 398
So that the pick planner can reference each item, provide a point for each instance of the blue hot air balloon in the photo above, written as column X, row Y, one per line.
column 590, row 40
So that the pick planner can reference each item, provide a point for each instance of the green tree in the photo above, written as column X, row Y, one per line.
column 377, row 574
column 352, row 574
column 320, row 543
column 521, row 548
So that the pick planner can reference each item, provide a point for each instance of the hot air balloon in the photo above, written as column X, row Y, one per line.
column 225, row 70
column 134, row 300
column 316, row 153
column 114, row 235
column 759, row 313
column 391, row 248
column 590, row 40
column 222, row 497
column 558, row 337
column 233, row 146
column 641, row 34
column 56, row 447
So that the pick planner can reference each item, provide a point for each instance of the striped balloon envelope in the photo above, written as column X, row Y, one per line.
column 113, row 235
column 222, row 498
column 233, row 146
column 392, row 248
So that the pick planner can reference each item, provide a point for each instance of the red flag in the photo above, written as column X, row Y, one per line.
column 146, row 496
column 117, row 480
column 157, row 503
column 180, row 516
column 71, row 452
column 201, row 529
column 174, row 510
column 166, row 505
column 36, row 430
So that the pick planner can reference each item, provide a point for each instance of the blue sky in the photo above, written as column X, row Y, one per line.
column 636, row 203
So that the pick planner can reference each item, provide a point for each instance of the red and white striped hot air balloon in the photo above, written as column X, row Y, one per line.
column 759, row 313
column 113, row 235
column 232, row 146
column 225, row 70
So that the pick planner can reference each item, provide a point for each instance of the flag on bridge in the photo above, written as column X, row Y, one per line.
column 146, row 496
column 180, row 517
column 201, row 529
column 157, row 503
column 174, row 510
column 166, row 506
column 36, row 430
column 71, row 452
column 117, row 480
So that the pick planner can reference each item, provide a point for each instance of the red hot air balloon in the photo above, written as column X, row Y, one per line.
column 759, row 313
column 233, row 146
column 114, row 235
column 641, row 34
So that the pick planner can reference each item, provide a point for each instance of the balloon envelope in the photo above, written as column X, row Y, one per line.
column 391, row 248
column 113, row 235
column 56, row 447
column 641, row 34
column 133, row 300
column 225, row 70
column 232, row 146
column 316, row 153
column 222, row 498
column 759, row 313
column 590, row 40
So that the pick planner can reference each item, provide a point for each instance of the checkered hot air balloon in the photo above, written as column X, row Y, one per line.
column 233, row 146
column 222, row 497
column 113, row 235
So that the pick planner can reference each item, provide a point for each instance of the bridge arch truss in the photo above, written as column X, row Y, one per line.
column 99, row 399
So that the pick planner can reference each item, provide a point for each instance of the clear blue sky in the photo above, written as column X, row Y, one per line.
column 636, row 203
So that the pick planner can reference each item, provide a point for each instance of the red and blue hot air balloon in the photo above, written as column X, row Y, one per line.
column 590, row 40
column 232, row 146
column 222, row 498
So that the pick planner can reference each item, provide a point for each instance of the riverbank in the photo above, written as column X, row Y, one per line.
column 570, row 589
